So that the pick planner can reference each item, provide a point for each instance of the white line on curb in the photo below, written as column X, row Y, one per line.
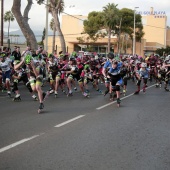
column 101, row 107
column 17, row 143
column 71, row 120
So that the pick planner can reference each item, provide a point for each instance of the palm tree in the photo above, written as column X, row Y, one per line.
column 55, row 8
column 111, row 17
column 22, row 20
column 53, row 28
column 8, row 17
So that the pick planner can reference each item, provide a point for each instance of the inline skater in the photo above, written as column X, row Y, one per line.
column 6, row 72
column 54, row 74
column 35, row 78
column 115, row 79
column 94, row 67
column 74, row 73
column 142, row 73
column 106, row 67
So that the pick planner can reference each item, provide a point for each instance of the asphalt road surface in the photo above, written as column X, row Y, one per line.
column 78, row 133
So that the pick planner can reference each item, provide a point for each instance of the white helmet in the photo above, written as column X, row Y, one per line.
column 96, row 57
column 143, row 65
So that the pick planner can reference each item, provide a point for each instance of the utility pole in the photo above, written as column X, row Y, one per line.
column 119, row 36
column 2, row 22
column 134, row 36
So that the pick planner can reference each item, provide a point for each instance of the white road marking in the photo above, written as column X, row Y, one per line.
column 17, row 143
column 71, row 120
column 101, row 107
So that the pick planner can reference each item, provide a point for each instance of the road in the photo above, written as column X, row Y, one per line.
column 77, row 133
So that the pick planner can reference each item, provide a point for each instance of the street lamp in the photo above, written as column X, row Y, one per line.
column 134, row 36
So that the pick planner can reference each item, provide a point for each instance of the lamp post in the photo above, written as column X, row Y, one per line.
column 134, row 36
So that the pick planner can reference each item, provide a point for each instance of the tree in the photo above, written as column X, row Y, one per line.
column 106, row 20
column 53, row 28
column 55, row 8
column 22, row 21
column 127, row 24
column 8, row 17
column 162, row 51
column 93, row 24
column 111, row 18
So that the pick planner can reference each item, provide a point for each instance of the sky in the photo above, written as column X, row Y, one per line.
column 37, row 13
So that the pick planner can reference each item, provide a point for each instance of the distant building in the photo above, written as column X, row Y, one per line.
column 157, row 35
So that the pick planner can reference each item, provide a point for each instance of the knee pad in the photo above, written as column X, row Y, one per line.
column 117, row 88
column 125, row 81
column 15, row 87
column 138, row 82
column 7, row 79
column 145, row 81
column 29, row 87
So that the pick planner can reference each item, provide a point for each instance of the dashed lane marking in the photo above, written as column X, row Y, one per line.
column 68, row 121
column 18, row 143
column 101, row 107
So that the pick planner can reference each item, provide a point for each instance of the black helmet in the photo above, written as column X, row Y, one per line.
column 110, row 55
column 71, row 58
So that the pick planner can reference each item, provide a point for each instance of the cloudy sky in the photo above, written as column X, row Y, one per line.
column 37, row 14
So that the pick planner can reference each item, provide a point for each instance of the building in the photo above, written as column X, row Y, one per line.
column 72, row 28
column 157, row 35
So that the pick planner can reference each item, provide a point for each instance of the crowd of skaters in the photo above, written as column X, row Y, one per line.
column 66, row 71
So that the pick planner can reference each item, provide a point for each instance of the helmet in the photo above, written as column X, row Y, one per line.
column 2, row 55
column 78, row 60
column 36, row 61
column 74, row 53
column 110, row 56
column 28, row 59
column 39, row 56
column 96, row 57
column 86, row 67
column 167, row 57
column 143, row 65
column 50, row 56
column 28, row 53
column 16, row 62
column 71, row 58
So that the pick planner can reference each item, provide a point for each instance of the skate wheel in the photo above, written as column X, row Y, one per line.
column 39, row 111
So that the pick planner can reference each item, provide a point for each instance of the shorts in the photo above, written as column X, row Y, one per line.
column 6, row 75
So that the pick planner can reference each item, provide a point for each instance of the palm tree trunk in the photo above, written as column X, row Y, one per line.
column 109, row 38
column 23, row 22
column 54, row 11
column 8, row 28
column 54, row 31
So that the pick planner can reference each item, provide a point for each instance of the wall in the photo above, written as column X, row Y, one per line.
column 154, row 28
column 168, row 37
